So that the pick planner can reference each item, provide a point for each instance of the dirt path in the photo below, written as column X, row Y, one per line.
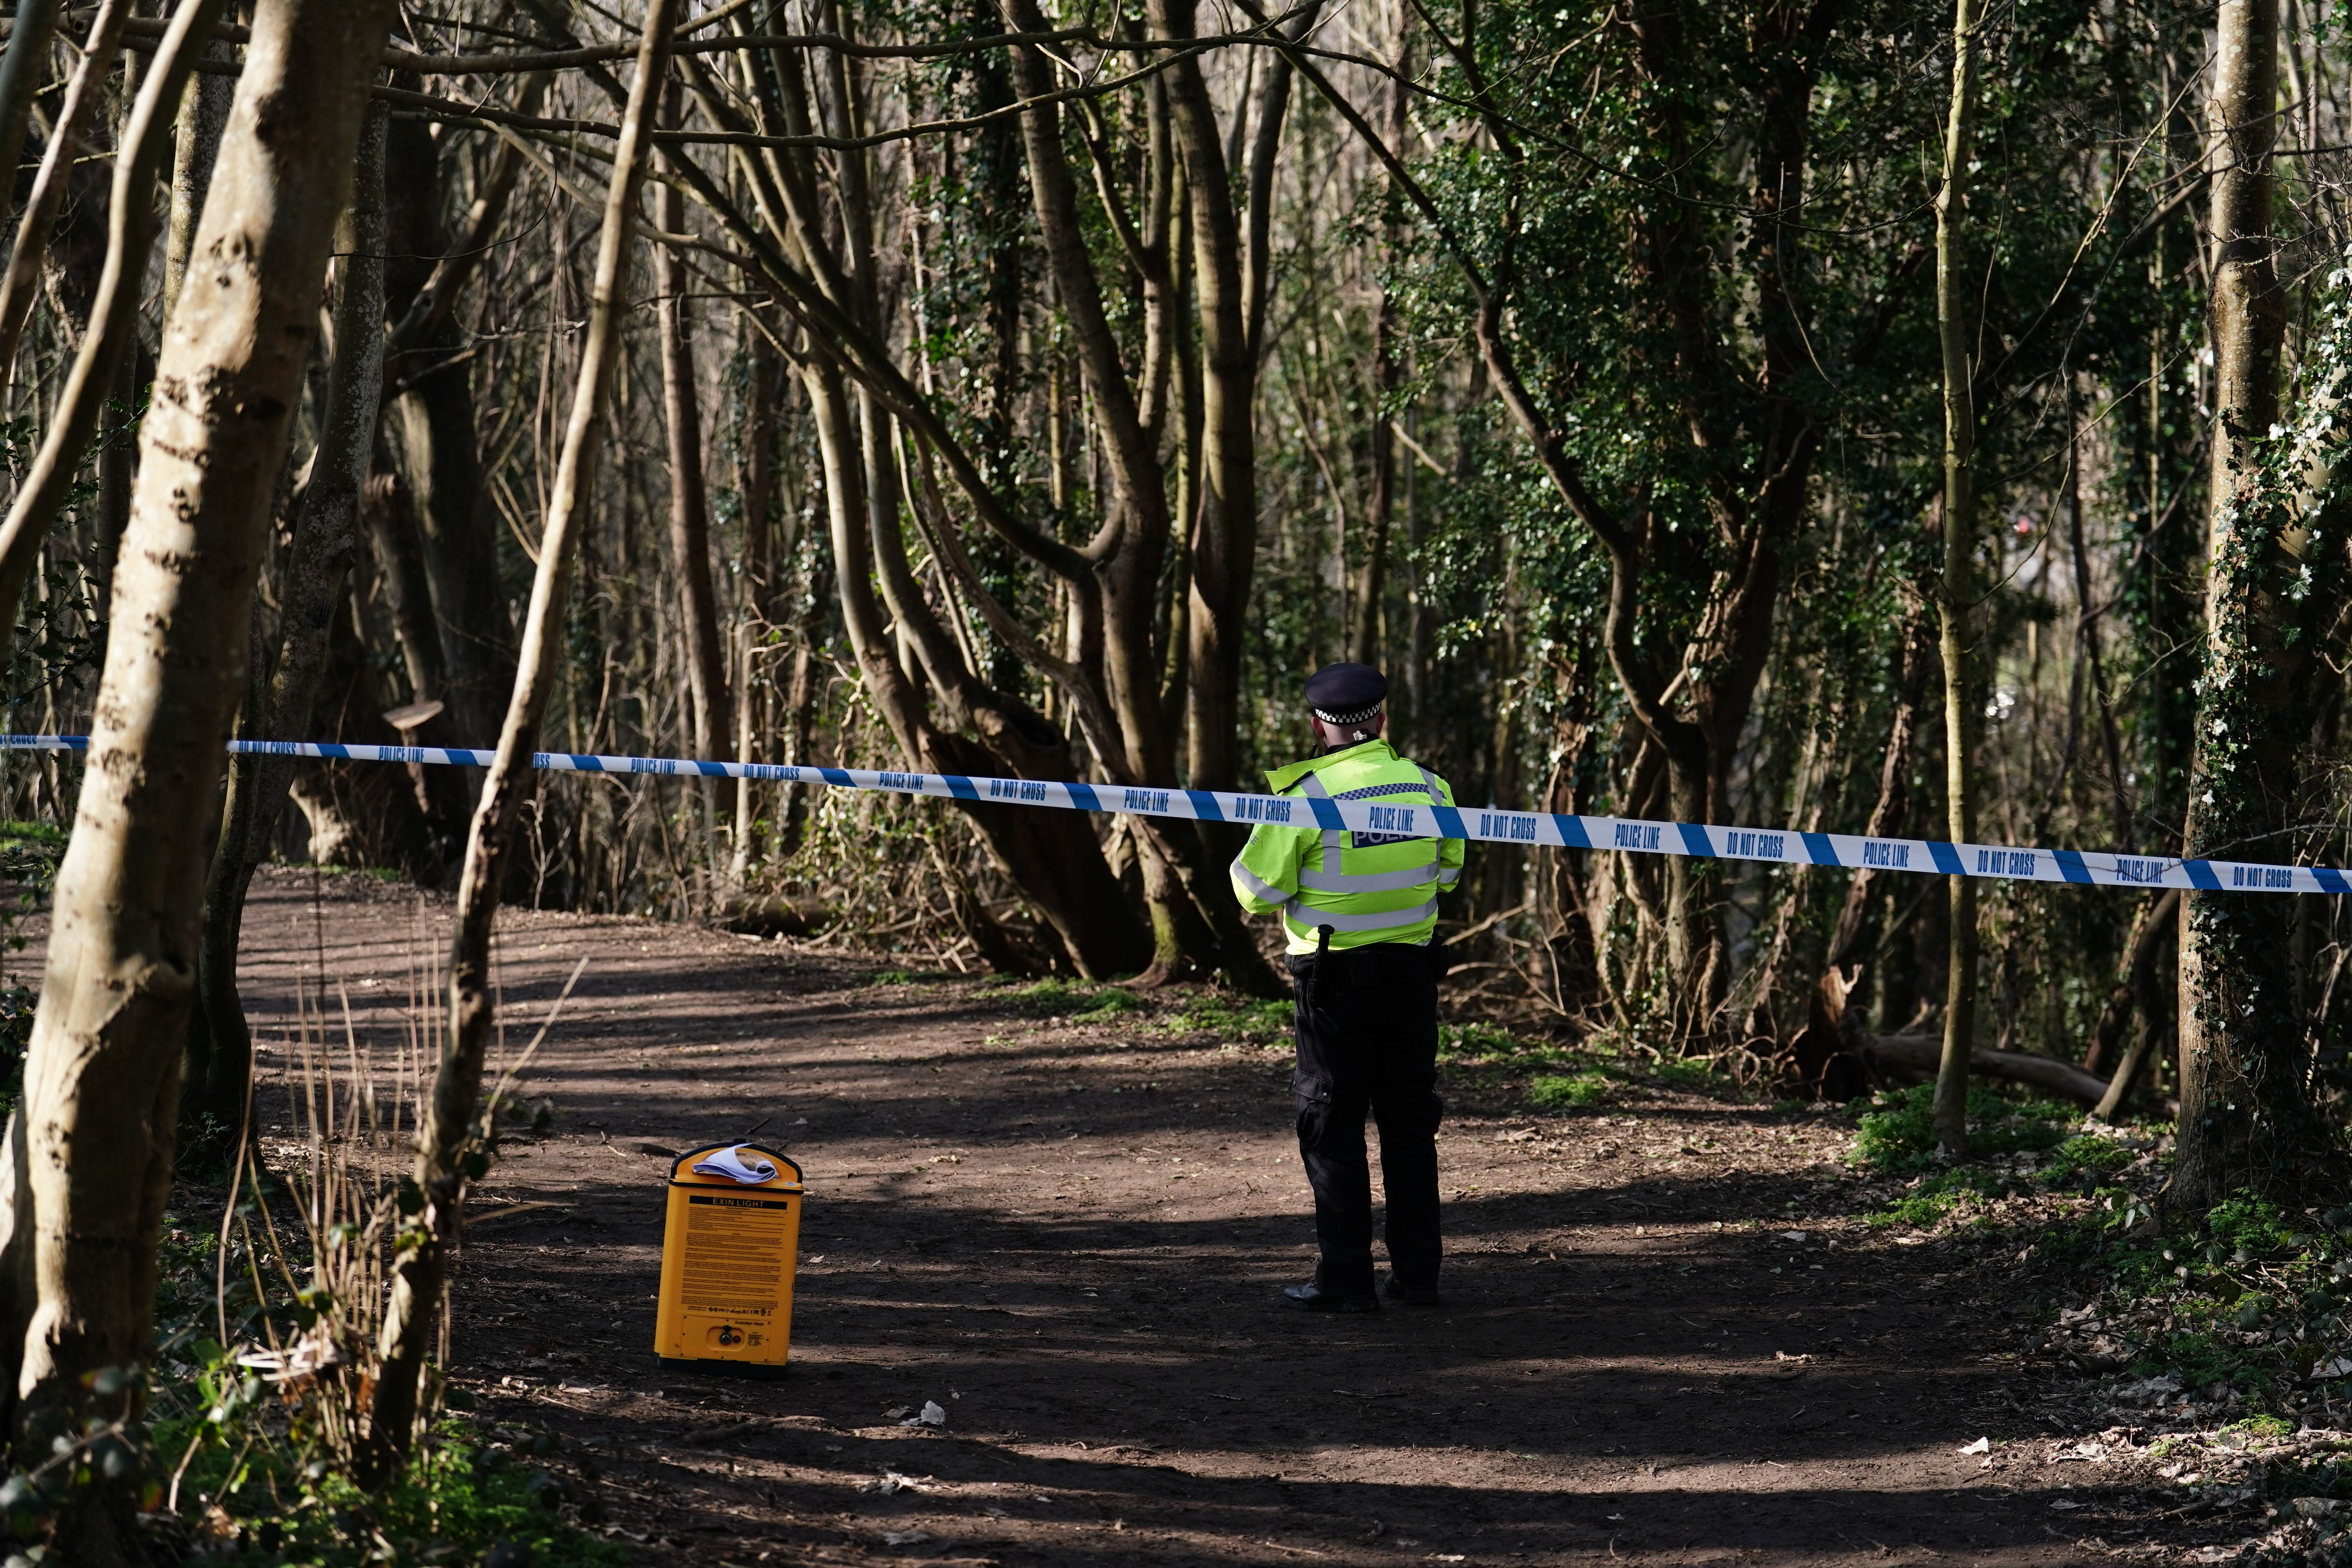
column 1073, row 1236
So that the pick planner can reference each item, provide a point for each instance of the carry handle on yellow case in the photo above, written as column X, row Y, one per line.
column 729, row 1247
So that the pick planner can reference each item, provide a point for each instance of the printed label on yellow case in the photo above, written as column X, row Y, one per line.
column 728, row 1250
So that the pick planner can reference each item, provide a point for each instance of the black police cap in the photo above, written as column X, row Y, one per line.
column 1345, row 693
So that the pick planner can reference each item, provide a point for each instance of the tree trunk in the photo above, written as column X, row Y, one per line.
column 1364, row 642
column 114, row 314
column 1957, row 606
column 2139, row 957
column 2247, row 1119
column 364, row 813
column 1225, row 541
column 1888, row 811
column 2146, row 992
column 705, row 657
column 445, row 1156
column 800, row 704
column 195, row 143
column 390, row 514
column 2090, row 655
column 1053, row 857
column 818, row 261
column 23, row 72
column 1387, row 374
column 22, row 281
column 1899, row 1057
column 756, row 444
column 118, row 466
column 101, row 1078
column 326, row 529
column 438, row 434
column 1122, row 592
column 689, row 504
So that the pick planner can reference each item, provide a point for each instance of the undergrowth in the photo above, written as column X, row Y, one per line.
column 2246, row 1305
column 233, row 1464
column 1896, row 1130
column 1555, row 1076
column 477, row 1492
column 1072, row 999
column 1485, row 1055
column 2241, row 1314
column 29, row 854
column 1556, row 1092
column 1238, row 1020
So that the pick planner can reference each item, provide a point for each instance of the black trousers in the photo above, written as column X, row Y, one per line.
column 1367, row 1029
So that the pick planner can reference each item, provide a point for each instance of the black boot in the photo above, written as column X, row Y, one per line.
column 1396, row 1290
column 1312, row 1297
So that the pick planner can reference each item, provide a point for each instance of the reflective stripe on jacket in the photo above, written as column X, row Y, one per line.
column 1367, row 886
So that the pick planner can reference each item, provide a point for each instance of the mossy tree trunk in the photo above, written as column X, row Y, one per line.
column 1957, row 606
column 2247, row 1121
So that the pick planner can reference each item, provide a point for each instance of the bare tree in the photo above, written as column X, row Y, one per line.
column 114, row 317
column 102, row 1074
column 219, row 1058
column 446, row 1128
column 1956, row 609
column 22, row 70
column 689, row 490
column 812, row 244
column 83, row 94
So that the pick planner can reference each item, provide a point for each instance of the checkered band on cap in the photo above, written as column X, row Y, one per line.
column 1354, row 715
column 1345, row 693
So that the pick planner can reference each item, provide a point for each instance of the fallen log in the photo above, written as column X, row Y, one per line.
column 1834, row 1057
column 1918, row 1055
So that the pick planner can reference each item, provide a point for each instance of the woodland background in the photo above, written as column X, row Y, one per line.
column 1582, row 368
column 1840, row 415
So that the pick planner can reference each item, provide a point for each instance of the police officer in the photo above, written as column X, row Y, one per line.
column 1360, row 910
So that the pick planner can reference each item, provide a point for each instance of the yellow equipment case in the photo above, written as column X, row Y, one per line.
column 728, row 1251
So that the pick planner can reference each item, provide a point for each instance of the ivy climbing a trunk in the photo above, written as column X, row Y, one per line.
column 2247, row 1117
column 1958, row 604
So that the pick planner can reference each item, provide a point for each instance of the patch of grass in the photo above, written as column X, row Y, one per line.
column 2196, row 1358
column 475, row 1489
column 1238, row 1019
column 2086, row 1152
column 894, row 977
column 260, row 1485
column 1477, row 1044
column 2245, row 1228
column 1063, row 998
column 1930, row 1199
column 372, row 873
column 2247, row 1296
column 1577, row 1091
column 1478, row 1054
column 1111, row 999
column 1688, row 1072
column 1896, row 1134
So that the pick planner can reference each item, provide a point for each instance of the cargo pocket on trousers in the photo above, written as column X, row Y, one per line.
column 1312, row 1092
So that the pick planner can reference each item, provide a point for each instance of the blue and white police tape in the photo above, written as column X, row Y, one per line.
column 1398, row 819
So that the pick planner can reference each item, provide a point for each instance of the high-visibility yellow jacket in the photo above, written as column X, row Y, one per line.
column 1367, row 886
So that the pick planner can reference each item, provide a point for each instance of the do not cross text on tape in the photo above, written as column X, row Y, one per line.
column 1428, row 819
